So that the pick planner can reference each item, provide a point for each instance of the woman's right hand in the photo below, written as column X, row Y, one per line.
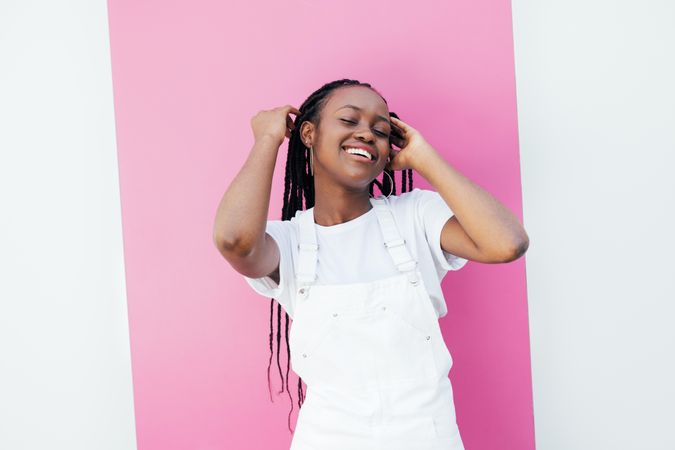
column 274, row 123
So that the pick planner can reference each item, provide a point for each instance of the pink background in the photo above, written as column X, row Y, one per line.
column 187, row 78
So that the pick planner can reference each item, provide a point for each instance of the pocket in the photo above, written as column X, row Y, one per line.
column 327, row 345
column 407, row 348
column 310, row 324
column 307, row 332
column 417, row 325
column 341, row 354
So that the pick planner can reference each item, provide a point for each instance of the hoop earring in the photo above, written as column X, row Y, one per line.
column 311, row 161
column 391, row 184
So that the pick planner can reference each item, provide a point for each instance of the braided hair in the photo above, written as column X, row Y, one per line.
column 299, row 184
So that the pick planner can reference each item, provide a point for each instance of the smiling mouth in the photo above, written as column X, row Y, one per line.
column 360, row 157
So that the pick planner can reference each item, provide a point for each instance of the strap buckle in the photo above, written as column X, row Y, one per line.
column 394, row 243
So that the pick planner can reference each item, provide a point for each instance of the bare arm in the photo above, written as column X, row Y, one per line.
column 242, row 213
column 482, row 229
column 241, row 218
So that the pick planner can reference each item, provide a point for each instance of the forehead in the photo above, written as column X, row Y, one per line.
column 360, row 96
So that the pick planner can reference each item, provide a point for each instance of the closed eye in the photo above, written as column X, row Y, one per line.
column 376, row 131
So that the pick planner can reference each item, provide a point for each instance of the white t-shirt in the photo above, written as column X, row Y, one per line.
column 354, row 251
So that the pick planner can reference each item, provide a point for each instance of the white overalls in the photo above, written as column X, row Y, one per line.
column 372, row 356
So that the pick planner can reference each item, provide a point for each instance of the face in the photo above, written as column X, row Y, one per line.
column 364, row 124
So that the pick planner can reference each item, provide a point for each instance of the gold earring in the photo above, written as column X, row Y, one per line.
column 311, row 160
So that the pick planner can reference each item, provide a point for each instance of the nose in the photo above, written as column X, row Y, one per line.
column 365, row 134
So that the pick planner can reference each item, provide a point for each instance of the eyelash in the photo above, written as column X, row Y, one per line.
column 376, row 131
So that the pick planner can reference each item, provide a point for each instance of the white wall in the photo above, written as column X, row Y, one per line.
column 65, row 372
column 596, row 106
column 596, row 117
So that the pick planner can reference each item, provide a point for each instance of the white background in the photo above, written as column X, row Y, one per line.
column 596, row 106
column 65, row 372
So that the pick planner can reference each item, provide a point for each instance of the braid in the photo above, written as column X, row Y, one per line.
column 278, row 345
column 299, row 185
column 269, row 364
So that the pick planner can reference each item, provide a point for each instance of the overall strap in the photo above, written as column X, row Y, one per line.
column 305, row 270
column 392, row 238
column 308, row 248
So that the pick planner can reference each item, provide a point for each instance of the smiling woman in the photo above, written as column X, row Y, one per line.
column 365, row 335
column 339, row 116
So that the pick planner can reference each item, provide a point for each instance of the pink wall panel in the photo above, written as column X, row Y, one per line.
column 187, row 78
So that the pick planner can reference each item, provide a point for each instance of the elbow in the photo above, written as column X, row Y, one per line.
column 509, row 250
column 220, row 241
column 226, row 245
column 522, row 248
column 517, row 249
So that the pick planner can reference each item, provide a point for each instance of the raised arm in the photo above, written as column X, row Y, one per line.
column 241, row 218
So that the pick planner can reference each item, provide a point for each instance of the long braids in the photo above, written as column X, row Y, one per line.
column 299, row 185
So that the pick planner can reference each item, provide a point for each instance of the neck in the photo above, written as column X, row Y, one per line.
column 335, row 205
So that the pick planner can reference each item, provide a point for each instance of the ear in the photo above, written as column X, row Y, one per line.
column 307, row 133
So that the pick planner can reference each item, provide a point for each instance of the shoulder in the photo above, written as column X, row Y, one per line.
column 422, row 209
column 416, row 194
column 412, row 202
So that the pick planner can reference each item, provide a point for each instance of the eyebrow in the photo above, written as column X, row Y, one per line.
column 359, row 109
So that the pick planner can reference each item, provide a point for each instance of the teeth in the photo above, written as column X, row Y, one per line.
column 358, row 151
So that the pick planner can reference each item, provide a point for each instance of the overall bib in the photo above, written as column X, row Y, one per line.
column 372, row 356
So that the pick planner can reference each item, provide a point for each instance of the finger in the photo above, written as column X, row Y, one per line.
column 399, row 123
column 294, row 110
column 290, row 126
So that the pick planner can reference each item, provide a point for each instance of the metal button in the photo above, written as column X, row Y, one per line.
column 304, row 355
column 428, row 337
column 302, row 291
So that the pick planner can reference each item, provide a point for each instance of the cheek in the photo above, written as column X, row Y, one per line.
column 335, row 139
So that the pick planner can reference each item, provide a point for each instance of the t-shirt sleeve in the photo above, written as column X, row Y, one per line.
column 280, row 231
column 434, row 213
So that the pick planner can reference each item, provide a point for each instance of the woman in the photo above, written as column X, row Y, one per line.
column 365, row 336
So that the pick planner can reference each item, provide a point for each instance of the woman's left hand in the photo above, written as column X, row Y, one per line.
column 412, row 146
